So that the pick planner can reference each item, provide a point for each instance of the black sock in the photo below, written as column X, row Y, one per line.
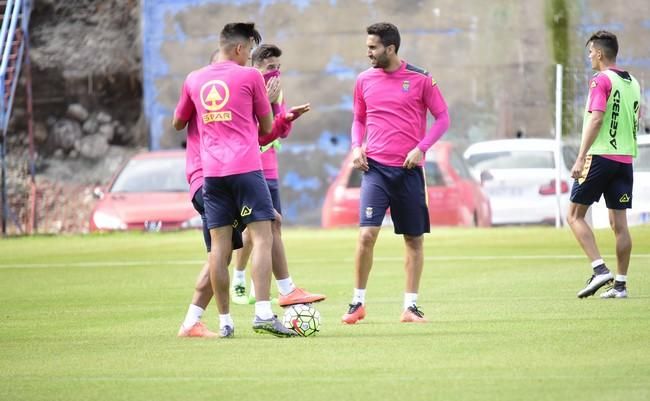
column 601, row 269
column 619, row 285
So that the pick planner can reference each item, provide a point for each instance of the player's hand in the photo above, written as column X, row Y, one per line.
column 359, row 159
column 578, row 166
column 414, row 158
column 297, row 111
column 273, row 89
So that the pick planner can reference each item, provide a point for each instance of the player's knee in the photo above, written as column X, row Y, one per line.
column 572, row 218
column 367, row 238
column 612, row 223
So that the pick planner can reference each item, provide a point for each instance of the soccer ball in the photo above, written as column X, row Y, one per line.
column 303, row 319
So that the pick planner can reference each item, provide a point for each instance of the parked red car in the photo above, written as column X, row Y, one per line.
column 149, row 193
column 455, row 197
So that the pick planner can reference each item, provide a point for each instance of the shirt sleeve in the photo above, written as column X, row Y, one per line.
column 261, row 104
column 359, row 119
column 185, row 106
column 599, row 89
column 433, row 98
column 280, row 109
column 438, row 108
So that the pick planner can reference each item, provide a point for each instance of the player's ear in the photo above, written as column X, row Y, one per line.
column 390, row 49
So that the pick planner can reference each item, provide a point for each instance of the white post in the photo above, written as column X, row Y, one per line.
column 558, row 142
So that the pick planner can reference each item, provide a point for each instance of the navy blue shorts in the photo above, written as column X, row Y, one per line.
column 240, row 196
column 274, row 189
column 605, row 177
column 401, row 189
column 197, row 202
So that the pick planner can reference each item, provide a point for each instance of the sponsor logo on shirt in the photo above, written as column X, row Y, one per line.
column 613, row 126
column 214, row 96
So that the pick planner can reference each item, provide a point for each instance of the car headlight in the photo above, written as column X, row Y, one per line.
column 194, row 222
column 105, row 221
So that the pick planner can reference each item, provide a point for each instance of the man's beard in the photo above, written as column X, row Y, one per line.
column 381, row 61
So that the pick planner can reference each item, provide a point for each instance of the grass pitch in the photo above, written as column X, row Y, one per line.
column 95, row 318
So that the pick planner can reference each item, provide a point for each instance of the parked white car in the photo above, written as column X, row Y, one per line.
column 640, row 212
column 519, row 177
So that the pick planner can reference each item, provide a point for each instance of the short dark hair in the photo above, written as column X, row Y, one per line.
column 237, row 32
column 264, row 51
column 607, row 42
column 387, row 32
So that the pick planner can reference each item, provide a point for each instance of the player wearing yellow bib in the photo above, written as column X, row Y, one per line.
column 604, row 162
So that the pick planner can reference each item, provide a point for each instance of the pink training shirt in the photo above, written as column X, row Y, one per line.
column 600, row 87
column 390, row 110
column 269, row 156
column 227, row 98
column 193, row 168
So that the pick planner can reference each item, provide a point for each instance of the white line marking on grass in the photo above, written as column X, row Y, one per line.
column 300, row 261
column 324, row 379
column 499, row 257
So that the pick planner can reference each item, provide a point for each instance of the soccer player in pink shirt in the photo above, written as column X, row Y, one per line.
column 604, row 163
column 232, row 110
column 192, row 325
column 391, row 100
column 266, row 59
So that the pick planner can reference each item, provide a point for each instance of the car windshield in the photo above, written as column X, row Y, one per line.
column 152, row 175
column 512, row 159
column 642, row 162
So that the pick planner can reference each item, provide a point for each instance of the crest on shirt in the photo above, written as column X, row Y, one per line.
column 405, row 86
column 214, row 96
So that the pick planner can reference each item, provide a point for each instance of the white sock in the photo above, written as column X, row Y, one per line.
column 263, row 310
column 193, row 315
column 226, row 320
column 597, row 263
column 239, row 277
column 621, row 278
column 252, row 293
column 359, row 296
column 410, row 299
column 285, row 286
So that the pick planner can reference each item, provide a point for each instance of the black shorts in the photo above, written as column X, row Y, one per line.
column 401, row 189
column 602, row 176
column 197, row 202
column 274, row 190
column 243, row 197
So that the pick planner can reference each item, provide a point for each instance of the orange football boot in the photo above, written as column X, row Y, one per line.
column 355, row 313
column 198, row 330
column 299, row 296
column 412, row 315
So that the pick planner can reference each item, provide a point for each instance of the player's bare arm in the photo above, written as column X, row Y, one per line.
column 588, row 137
column 265, row 123
column 179, row 124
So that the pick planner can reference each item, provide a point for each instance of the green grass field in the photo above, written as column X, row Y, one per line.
column 95, row 318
